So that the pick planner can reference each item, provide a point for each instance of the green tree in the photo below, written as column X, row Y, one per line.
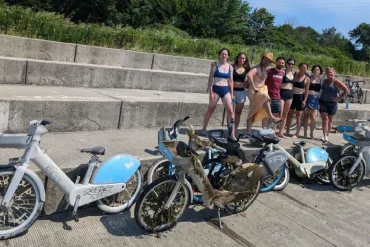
column 261, row 27
column 361, row 34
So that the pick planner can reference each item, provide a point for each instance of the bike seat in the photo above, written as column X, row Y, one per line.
column 95, row 150
column 300, row 143
column 270, row 139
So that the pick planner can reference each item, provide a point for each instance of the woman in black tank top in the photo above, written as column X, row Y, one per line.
column 329, row 100
column 241, row 68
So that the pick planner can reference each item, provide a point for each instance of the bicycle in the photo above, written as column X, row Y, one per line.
column 163, row 202
column 22, row 193
column 213, row 160
column 355, row 91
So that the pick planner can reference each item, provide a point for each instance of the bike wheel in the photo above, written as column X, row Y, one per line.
column 149, row 212
column 269, row 183
column 123, row 200
column 323, row 177
column 283, row 182
column 243, row 205
column 25, row 205
column 338, row 173
column 348, row 149
column 159, row 169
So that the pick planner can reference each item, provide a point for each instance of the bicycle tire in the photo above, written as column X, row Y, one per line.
column 142, row 220
column 105, row 204
column 359, row 94
column 38, row 206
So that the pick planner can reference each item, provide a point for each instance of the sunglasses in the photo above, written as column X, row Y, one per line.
column 292, row 64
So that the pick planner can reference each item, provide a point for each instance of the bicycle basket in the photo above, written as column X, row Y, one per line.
column 177, row 152
column 274, row 160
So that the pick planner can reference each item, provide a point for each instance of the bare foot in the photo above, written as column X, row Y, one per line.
column 312, row 138
column 281, row 136
column 294, row 137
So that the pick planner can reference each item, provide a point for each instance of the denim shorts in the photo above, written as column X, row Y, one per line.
column 240, row 96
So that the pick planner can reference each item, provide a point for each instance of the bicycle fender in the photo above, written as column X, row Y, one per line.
column 38, row 182
column 33, row 175
column 190, row 190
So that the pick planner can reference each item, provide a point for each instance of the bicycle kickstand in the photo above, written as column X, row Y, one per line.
column 74, row 213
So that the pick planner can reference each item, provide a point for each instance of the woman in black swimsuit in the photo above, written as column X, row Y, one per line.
column 241, row 68
column 286, row 94
column 301, row 86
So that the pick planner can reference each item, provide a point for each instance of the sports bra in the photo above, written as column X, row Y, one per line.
column 299, row 84
column 315, row 87
column 239, row 77
column 222, row 75
column 287, row 80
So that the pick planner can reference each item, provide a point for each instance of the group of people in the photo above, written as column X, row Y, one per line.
column 274, row 93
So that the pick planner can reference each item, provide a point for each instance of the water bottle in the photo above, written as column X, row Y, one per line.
column 347, row 104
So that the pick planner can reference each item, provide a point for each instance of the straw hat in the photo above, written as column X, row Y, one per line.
column 270, row 56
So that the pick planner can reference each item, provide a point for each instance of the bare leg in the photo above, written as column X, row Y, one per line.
column 330, row 123
column 249, row 125
column 267, row 107
column 325, row 122
column 313, row 122
column 227, row 102
column 285, row 106
column 211, row 108
column 238, row 111
column 264, row 122
column 299, row 124
column 306, row 118
column 289, row 120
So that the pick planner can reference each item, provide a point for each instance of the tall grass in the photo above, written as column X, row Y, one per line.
column 166, row 40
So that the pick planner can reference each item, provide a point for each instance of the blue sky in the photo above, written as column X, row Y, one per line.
column 345, row 15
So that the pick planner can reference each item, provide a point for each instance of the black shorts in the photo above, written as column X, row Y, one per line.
column 328, row 107
column 297, row 102
column 286, row 94
column 275, row 106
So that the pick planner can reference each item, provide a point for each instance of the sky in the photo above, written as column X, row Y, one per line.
column 345, row 15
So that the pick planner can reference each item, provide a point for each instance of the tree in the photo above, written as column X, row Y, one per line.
column 361, row 34
column 261, row 27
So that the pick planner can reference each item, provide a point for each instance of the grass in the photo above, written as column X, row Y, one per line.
column 161, row 39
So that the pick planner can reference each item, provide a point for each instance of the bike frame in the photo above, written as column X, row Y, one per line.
column 76, row 194
column 363, row 154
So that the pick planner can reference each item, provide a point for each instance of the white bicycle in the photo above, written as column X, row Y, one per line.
column 114, row 183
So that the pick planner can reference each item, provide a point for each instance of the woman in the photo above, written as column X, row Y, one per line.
column 329, row 100
column 241, row 68
column 220, row 85
column 312, row 104
column 301, row 84
column 286, row 94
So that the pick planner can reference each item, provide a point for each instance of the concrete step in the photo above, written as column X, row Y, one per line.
column 64, row 150
column 81, row 109
column 12, row 46
column 50, row 73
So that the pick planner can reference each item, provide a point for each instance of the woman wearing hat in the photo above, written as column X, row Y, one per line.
column 259, row 100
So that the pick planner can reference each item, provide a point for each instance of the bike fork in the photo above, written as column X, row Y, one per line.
column 174, row 192
column 16, row 180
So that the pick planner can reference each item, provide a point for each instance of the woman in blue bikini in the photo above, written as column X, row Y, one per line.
column 220, row 85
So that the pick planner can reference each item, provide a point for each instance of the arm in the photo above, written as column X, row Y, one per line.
column 341, row 85
column 231, row 82
column 306, row 89
column 250, row 76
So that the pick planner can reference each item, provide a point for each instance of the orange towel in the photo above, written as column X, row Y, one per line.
column 256, row 101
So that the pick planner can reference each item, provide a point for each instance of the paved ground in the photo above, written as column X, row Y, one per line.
column 304, row 214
